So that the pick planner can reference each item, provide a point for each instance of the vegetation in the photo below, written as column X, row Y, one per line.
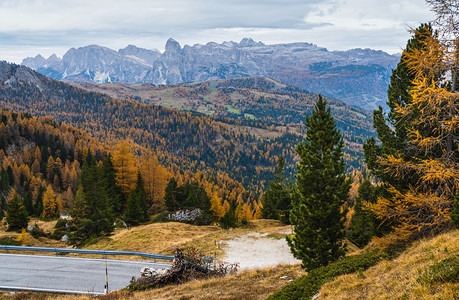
column 307, row 286
column 363, row 224
column 17, row 217
column 277, row 200
column 318, row 213
column 421, row 177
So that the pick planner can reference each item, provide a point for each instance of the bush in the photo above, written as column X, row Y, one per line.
column 161, row 217
column 309, row 285
column 37, row 232
column 9, row 242
column 446, row 270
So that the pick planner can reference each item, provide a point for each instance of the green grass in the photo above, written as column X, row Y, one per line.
column 309, row 285
column 249, row 116
column 233, row 110
column 446, row 270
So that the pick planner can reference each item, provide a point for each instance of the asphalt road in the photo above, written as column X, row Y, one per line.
column 67, row 274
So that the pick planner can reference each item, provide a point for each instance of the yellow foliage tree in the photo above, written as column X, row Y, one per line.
column 51, row 204
column 155, row 177
column 124, row 164
column 433, row 127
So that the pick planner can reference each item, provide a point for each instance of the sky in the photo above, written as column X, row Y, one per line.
column 31, row 27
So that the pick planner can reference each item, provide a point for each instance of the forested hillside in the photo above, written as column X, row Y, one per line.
column 219, row 146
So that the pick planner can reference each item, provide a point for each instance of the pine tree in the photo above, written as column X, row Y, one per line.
column 392, row 130
column 277, row 201
column 137, row 207
column 28, row 204
column 170, row 197
column 38, row 206
column 362, row 227
column 92, row 213
column 318, row 214
column 17, row 217
column 115, row 197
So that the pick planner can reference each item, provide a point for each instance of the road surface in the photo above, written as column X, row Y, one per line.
column 67, row 274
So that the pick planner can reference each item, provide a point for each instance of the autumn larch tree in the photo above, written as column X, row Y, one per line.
column 124, row 164
column 432, row 129
column 318, row 215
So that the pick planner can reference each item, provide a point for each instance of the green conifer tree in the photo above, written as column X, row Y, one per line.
column 170, row 196
column 92, row 213
column 318, row 214
column 362, row 227
column 38, row 206
column 17, row 217
column 137, row 207
column 277, row 201
column 112, row 190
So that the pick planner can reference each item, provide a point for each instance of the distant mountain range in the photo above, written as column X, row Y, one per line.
column 358, row 77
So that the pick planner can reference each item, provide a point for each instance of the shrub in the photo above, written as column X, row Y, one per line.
column 9, row 242
column 307, row 286
column 446, row 270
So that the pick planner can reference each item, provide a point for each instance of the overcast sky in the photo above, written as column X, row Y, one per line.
column 29, row 27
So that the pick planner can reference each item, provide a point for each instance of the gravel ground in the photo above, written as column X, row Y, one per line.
column 255, row 250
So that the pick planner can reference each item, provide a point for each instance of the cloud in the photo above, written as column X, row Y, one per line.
column 34, row 26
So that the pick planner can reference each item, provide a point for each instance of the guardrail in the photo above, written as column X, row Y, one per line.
column 86, row 251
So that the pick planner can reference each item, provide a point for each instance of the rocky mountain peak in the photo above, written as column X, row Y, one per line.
column 249, row 42
column 172, row 45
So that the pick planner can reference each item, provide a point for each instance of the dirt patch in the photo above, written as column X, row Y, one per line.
column 255, row 250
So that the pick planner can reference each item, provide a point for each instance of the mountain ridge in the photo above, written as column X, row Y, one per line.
column 358, row 76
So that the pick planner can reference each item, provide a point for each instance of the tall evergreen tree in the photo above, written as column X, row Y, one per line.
column 17, row 217
column 92, row 213
column 170, row 197
column 362, row 226
column 277, row 201
column 38, row 206
column 112, row 190
column 317, row 213
column 392, row 129
column 137, row 207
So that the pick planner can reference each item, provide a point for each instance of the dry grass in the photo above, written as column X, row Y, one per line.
column 160, row 238
column 163, row 238
column 397, row 279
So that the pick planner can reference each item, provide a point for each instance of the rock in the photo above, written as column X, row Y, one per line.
column 146, row 272
column 65, row 238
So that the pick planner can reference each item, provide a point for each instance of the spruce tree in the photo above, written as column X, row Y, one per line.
column 317, row 212
column 17, row 217
column 38, row 206
column 362, row 226
column 392, row 129
column 170, row 195
column 137, row 207
column 112, row 190
column 277, row 201
column 92, row 213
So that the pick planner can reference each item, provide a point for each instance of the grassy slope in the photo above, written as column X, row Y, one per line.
column 397, row 279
